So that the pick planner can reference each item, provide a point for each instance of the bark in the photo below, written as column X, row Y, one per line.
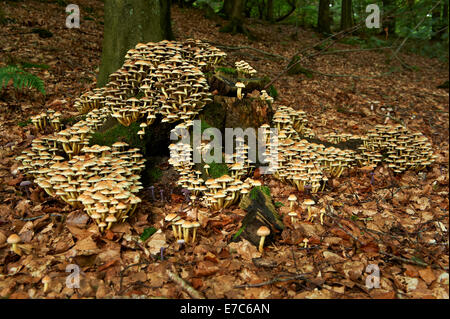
column 439, row 23
column 323, row 21
column 346, row 15
column 236, row 24
column 127, row 23
column 291, row 10
column 227, row 8
column 269, row 13
column 260, row 212
column 389, row 22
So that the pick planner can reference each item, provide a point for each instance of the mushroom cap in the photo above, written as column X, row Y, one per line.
column 46, row 279
column 263, row 231
column 240, row 85
column 292, row 214
column 170, row 217
column 292, row 197
column 309, row 202
column 14, row 239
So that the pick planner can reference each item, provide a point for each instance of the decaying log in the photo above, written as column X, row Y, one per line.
column 260, row 212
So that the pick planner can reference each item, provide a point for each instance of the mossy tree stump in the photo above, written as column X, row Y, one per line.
column 260, row 212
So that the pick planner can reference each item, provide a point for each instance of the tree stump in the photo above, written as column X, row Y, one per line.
column 260, row 212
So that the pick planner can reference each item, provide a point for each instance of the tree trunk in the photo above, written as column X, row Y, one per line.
column 127, row 23
column 269, row 13
column 236, row 24
column 227, row 8
column 346, row 15
column 323, row 21
column 389, row 22
column 437, row 23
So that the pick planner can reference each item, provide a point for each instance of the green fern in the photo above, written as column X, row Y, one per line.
column 20, row 79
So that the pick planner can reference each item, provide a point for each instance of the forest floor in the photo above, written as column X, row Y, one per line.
column 398, row 223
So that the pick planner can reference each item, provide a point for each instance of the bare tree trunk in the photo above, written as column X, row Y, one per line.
column 127, row 23
column 389, row 22
column 346, row 15
column 236, row 24
column 269, row 12
column 439, row 23
column 227, row 8
column 323, row 20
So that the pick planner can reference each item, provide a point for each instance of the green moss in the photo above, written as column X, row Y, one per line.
column 69, row 121
column 217, row 169
column 204, row 125
column 230, row 71
column 25, row 123
column 263, row 189
column 154, row 174
column 119, row 132
column 273, row 92
column 212, row 116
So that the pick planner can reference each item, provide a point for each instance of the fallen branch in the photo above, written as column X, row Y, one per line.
column 184, row 285
column 272, row 281
column 248, row 48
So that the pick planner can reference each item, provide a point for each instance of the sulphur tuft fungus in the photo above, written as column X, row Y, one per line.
column 14, row 240
column 239, row 86
column 292, row 198
column 309, row 203
column 262, row 232
column 46, row 281
column 292, row 214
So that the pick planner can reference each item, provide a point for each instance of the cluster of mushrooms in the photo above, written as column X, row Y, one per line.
column 168, row 76
column 103, row 180
column 244, row 69
column 337, row 138
column 214, row 193
column 50, row 118
column 396, row 145
column 303, row 164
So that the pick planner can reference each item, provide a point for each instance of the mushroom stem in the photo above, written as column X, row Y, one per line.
column 174, row 229
column 239, row 93
column 15, row 248
column 261, row 244
column 194, row 232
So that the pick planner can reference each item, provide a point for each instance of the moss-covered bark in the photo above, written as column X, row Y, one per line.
column 127, row 23
column 260, row 212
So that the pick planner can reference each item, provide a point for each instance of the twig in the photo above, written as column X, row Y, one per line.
column 272, row 281
column 249, row 48
column 37, row 217
column 353, row 50
column 184, row 285
column 405, row 260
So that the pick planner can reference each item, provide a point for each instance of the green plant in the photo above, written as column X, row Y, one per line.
column 224, row 70
column 147, row 233
column 217, row 170
column 20, row 79
column 25, row 123
column 254, row 191
column 278, row 204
